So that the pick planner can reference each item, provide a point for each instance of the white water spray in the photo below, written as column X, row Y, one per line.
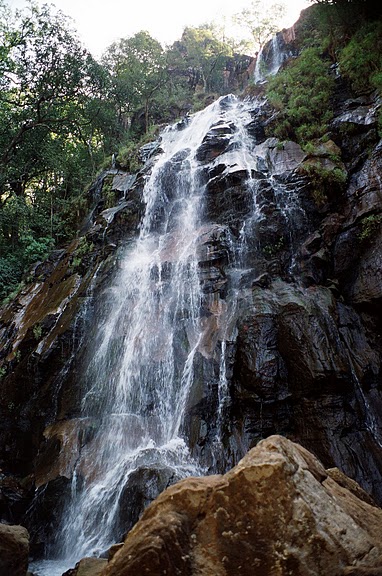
column 140, row 375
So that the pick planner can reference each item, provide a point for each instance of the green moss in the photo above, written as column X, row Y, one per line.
column 370, row 225
column 273, row 249
column 37, row 331
column 110, row 196
column 84, row 248
column 13, row 294
column 325, row 183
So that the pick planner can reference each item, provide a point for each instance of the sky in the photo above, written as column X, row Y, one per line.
column 101, row 22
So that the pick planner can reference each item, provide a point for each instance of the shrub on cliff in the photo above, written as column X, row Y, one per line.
column 361, row 59
column 301, row 94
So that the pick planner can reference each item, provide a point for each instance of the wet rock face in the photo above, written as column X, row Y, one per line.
column 307, row 358
column 304, row 368
column 278, row 511
column 45, row 512
column 141, row 488
column 298, row 280
column 41, row 332
column 14, row 497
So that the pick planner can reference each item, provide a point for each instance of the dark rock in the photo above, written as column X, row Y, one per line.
column 87, row 567
column 280, row 157
column 304, row 367
column 142, row 487
column 45, row 514
column 262, row 281
column 148, row 150
column 15, row 498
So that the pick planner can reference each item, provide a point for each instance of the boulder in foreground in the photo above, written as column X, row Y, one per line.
column 278, row 512
column 14, row 550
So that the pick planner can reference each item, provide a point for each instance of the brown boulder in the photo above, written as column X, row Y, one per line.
column 277, row 512
column 14, row 550
column 88, row 567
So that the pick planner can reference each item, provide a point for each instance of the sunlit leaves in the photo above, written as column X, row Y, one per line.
column 200, row 52
column 137, row 68
column 262, row 20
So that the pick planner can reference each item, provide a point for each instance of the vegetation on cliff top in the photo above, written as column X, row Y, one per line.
column 334, row 38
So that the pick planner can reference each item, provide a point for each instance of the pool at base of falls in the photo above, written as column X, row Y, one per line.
column 50, row 567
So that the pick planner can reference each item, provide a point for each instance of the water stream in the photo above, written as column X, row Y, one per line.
column 139, row 373
column 270, row 58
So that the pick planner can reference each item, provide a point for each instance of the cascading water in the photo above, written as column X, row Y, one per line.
column 151, row 325
column 270, row 58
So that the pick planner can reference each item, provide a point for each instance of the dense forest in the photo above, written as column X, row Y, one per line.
column 63, row 114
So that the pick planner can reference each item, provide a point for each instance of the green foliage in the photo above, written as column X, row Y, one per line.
column 36, row 249
column 84, row 248
column 138, row 72
column 108, row 193
column 201, row 58
column 49, row 79
column 270, row 250
column 37, row 331
column 325, row 183
column 128, row 154
column 14, row 262
column 301, row 93
column 11, row 269
column 262, row 20
column 370, row 225
column 128, row 158
column 55, row 121
column 361, row 59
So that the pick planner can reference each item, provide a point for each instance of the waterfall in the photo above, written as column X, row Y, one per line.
column 154, row 320
column 270, row 58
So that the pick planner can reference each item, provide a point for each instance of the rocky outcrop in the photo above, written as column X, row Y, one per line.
column 87, row 567
column 41, row 331
column 278, row 511
column 290, row 280
column 14, row 550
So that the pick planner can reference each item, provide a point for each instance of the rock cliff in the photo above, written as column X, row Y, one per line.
column 291, row 296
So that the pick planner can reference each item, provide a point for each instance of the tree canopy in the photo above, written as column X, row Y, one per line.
column 138, row 70
column 262, row 20
column 51, row 128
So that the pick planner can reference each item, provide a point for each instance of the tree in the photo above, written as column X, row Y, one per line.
column 138, row 71
column 201, row 55
column 49, row 80
column 262, row 20
column 52, row 130
column 368, row 8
